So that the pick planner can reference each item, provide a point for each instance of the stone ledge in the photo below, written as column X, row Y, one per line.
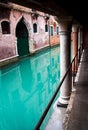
column 68, row 110
column 8, row 61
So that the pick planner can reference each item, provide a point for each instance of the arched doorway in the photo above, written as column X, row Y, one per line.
column 22, row 38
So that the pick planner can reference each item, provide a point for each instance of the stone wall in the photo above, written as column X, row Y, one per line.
column 36, row 41
column 55, row 38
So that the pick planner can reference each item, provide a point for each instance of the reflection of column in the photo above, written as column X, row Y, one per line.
column 16, row 50
column 31, row 46
column 75, row 46
column 65, row 42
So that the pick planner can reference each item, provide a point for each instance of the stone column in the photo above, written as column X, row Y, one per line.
column 65, row 27
column 81, row 38
column 75, row 47
column 80, row 41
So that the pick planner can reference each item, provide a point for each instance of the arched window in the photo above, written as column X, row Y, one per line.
column 5, row 27
column 46, row 28
column 57, row 30
column 35, row 28
column 51, row 30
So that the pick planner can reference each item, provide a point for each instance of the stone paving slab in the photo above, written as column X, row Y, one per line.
column 57, row 117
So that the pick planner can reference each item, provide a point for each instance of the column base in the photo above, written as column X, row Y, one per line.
column 63, row 102
column 62, row 105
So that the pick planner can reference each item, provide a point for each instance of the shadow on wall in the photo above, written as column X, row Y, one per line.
column 6, row 52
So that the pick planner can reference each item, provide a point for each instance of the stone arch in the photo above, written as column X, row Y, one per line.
column 22, row 38
column 26, row 24
column 4, row 20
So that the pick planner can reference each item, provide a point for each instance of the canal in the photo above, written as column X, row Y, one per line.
column 26, row 88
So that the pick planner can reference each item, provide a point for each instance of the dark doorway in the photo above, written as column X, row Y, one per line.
column 22, row 38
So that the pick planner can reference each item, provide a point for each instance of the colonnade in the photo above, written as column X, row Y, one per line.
column 68, row 31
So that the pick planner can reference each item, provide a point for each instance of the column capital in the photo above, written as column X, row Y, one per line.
column 65, row 24
column 64, row 18
column 75, row 28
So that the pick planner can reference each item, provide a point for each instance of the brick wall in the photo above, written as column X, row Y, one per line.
column 55, row 38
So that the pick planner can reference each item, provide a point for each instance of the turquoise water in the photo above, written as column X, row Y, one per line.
column 26, row 88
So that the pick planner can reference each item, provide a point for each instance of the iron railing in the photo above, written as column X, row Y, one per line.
column 37, row 127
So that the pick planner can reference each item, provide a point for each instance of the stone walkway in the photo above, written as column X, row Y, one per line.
column 56, row 120
column 77, row 111
column 75, row 117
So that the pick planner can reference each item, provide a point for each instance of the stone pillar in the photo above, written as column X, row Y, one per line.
column 81, row 38
column 75, row 47
column 80, row 42
column 65, row 27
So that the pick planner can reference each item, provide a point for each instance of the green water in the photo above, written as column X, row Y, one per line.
column 26, row 88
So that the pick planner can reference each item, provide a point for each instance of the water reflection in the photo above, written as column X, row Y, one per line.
column 26, row 88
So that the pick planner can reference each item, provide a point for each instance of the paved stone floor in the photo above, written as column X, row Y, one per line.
column 77, row 110
column 57, row 118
